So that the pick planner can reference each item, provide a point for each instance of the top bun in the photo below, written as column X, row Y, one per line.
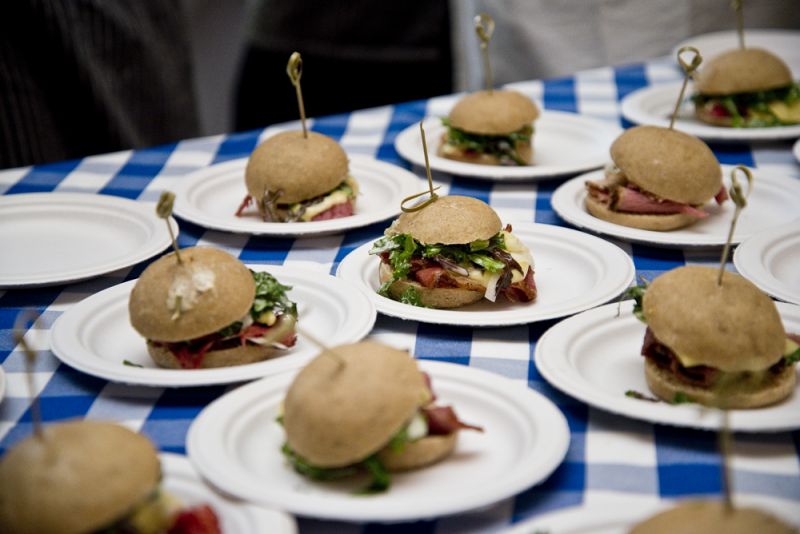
column 301, row 168
column 343, row 407
column 734, row 327
column 742, row 71
column 495, row 113
column 712, row 516
column 227, row 295
column 450, row 220
column 79, row 477
column 668, row 163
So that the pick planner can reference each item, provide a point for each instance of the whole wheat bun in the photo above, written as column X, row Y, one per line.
column 450, row 220
column 240, row 355
column 702, row 517
column 733, row 327
column 645, row 221
column 437, row 297
column 343, row 407
column 79, row 477
column 419, row 453
column 667, row 163
column 746, row 394
column 227, row 301
column 301, row 168
column 495, row 113
column 524, row 150
column 742, row 71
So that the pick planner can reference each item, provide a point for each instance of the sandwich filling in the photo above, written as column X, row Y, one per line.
column 161, row 513
column 617, row 193
column 336, row 203
column 505, row 148
column 270, row 322
column 776, row 107
column 695, row 373
column 501, row 265
column 428, row 420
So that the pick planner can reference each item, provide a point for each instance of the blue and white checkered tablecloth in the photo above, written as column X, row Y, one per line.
column 609, row 458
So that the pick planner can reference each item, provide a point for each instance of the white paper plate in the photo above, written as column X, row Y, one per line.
column 771, row 260
column 595, row 357
column 796, row 150
column 654, row 105
column 773, row 202
column 574, row 271
column 182, row 481
column 564, row 143
column 620, row 518
column 235, row 443
column 95, row 336
column 54, row 238
column 210, row 197
column 2, row 384
column 783, row 43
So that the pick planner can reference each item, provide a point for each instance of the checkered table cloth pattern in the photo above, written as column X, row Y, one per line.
column 609, row 458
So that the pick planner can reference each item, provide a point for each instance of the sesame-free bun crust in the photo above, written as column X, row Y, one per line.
column 701, row 517
column 419, row 453
column 742, row 71
column 302, row 168
column 240, row 355
column 227, row 301
column 450, row 220
column 82, row 476
column 645, row 221
column 742, row 395
column 734, row 327
column 495, row 113
column 524, row 150
column 346, row 406
column 437, row 297
column 669, row 164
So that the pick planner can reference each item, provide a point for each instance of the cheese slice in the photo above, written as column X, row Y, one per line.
column 686, row 361
column 518, row 251
column 337, row 197
column 786, row 113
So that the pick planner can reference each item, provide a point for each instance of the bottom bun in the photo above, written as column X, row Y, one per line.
column 692, row 517
column 775, row 388
column 714, row 120
column 437, row 297
column 420, row 453
column 216, row 358
column 645, row 221
column 524, row 151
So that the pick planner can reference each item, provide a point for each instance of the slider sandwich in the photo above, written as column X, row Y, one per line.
column 365, row 408
column 84, row 477
column 490, row 128
column 291, row 178
column 660, row 180
column 209, row 310
column 451, row 253
column 716, row 345
column 747, row 88
column 698, row 517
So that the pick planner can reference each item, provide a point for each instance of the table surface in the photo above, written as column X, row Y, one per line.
column 610, row 458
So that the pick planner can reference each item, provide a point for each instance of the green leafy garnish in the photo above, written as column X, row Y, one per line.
column 381, row 480
column 637, row 294
column 681, row 398
column 792, row 358
column 231, row 330
column 271, row 295
column 501, row 146
column 640, row 396
column 757, row 102
column 132, row 364
column 411, row 296
column 399, row 440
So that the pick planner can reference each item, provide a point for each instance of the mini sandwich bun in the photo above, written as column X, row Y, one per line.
column 498, row 112
column 79, row 477
column 420, row 453
column 645, row 221
column 343, row 407
column 742, row 71
column 667, row 163
column 450, row 220
column 301, row 168
column 227, row 300
column 437, row 297
column 524, row 150
column 701, row 517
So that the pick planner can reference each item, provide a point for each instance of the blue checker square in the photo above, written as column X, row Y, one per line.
column 623, row 478
column 537, row 501
column 59, row 408
column 266, row 250
column 185, row 403
column 67, row 382
column 168, row 434
column 689, row 479
column 509, row 368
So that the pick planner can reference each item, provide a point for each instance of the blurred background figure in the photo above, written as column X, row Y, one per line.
column 536, row 39
column 356, row 54
column 81, row 77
